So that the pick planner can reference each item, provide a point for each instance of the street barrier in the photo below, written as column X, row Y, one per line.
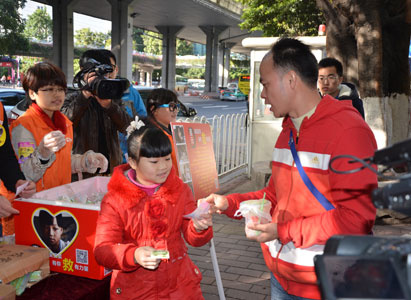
column 230, row 137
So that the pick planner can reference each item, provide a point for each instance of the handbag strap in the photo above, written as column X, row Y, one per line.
column 317, row 194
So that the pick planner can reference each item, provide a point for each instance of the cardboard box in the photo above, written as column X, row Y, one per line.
column 63, row 220
column 18, row 260
column 7, row 292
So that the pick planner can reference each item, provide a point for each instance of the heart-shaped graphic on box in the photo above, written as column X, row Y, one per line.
column 55, row 231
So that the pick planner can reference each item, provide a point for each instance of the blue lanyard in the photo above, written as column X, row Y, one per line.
column 320, row 197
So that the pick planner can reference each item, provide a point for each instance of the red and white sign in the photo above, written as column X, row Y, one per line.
column 7, row 64
column 193, row 143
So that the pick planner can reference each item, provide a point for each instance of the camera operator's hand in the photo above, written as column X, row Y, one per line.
column 51, row 142
column 89, row 78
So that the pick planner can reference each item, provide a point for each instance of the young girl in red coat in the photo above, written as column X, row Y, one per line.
column 141, row 220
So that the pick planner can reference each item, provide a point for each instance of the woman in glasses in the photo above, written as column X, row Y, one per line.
column 162, row 109
column 42, row 138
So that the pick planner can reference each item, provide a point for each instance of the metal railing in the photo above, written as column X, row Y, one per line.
column 229, row 140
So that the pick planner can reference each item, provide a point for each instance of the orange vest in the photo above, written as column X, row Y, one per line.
column 59, row 172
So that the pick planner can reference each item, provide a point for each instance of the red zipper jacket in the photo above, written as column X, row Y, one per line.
column 129, row 219
column 304, row 225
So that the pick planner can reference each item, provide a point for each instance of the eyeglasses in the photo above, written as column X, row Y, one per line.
column 171, row 106
column 58, row 90
column 331, row 77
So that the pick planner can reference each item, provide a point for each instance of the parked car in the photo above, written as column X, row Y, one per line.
column 10, row 98
column 232, row 94
column 19, row 108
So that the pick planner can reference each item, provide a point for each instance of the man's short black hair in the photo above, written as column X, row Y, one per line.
column 292, row 54
column 331, row 62
column 99, row 55
column 109, row 54
column 46, row 219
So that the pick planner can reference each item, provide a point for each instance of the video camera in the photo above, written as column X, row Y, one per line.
column 101, row 86
column 370, row 267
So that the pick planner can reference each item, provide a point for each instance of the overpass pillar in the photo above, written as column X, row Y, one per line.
column 149, row 81
column 63, row 44
column 212, row 63
column 121, row 40
column 168, row 71
column 224, row 77
column 142, row 77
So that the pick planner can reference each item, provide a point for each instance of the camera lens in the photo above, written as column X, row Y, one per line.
column 109, row 88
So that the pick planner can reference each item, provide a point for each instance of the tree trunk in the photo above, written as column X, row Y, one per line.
column 381, row 36
column 341, row 43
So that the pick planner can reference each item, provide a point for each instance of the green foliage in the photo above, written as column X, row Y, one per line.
column 39, row 25
column 138, row 42
column 192, row 73
column 239, row 67
column 76, row 66
column 195, row 73
column 153, row 43
column 237, row 72
column 26, row 62
column 282, row 17
column 184, row 47
column 11, row 27
column 86, row 37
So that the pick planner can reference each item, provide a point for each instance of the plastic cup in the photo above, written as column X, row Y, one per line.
column 255, row 212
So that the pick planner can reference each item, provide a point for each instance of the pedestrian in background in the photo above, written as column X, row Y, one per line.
column 330, row 82
column 132, row 100
column 162, row 109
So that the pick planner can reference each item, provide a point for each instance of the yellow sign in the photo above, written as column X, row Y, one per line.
column 244, row 84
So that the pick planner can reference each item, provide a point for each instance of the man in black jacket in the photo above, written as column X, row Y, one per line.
column 96, row 122
column 330, row 82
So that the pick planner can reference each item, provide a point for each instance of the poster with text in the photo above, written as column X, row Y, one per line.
column 193, row 143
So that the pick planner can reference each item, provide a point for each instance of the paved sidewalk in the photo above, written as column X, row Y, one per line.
column 243, row 271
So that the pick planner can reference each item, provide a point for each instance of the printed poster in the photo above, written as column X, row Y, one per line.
column 193, row 143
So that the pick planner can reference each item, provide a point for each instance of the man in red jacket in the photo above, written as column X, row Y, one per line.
column 318, row 129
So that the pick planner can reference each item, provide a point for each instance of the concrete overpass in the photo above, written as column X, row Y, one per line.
column 210, row 22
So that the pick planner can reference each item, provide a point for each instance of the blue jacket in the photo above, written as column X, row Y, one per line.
column 134, row 106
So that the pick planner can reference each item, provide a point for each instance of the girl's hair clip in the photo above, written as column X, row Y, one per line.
column 134, row 125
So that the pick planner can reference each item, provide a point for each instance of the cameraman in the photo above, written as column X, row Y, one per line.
column 132, row 100
column 96, row 122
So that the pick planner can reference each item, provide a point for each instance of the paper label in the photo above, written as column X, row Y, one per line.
column 163, row 254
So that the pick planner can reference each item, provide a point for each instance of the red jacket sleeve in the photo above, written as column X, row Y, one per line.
column 234, row 200
column 354, row 211
column 109, row 250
